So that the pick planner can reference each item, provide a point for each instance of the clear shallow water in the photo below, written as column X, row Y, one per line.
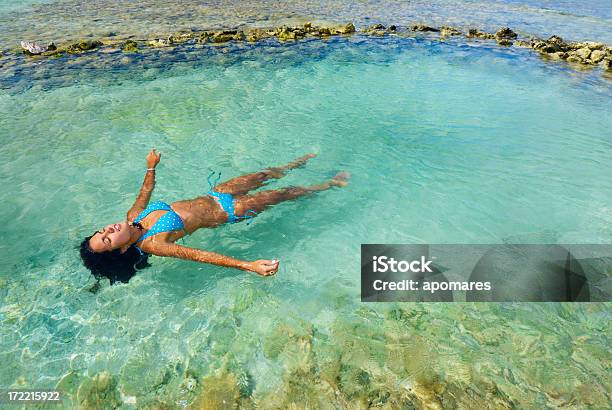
column 447, row 143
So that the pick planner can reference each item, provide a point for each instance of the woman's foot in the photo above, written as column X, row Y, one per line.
column 341, row 179
column 278, row 172
column 298, row 162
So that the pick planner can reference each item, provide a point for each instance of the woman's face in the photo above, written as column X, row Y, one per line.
column 113, row 236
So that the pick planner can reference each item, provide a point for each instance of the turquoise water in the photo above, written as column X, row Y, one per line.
column 447, row 143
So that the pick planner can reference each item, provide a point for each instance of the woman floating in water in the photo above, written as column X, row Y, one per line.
column 117, row 250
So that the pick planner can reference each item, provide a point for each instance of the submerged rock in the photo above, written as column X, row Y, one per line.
column 574, row 59
column 375, row 30
column 219, row 391
column 256, row 35
column 88, row 44
column 587, row 44
column 322, row 31
column 588, row 52
column 180, row 37
column 129, row 46
column 99, row 392
column 378, row 33
column 505, row 32
column 345, row 29
column 475, row 33
column 595, row 46
column 423, row 27
column 284, row 33
column 32, row 48
column 560, row 55
column 553, row 45
column 544, row 47
column 160, row 42
column 554, row 39
column 375, row 27
column 583, row 53
column 309, row 29
column 597, row 56
column 223, row 36
column 522, row 43
column 81, row 46
column 449, row 31
column 504, row 42
column 287, row 33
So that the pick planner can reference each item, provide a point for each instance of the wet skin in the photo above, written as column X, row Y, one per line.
column 204, row 212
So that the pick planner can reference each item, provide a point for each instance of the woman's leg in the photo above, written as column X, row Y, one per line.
column 245, row 183
column 261, row 200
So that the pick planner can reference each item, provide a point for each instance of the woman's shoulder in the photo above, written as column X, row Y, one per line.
column 156, row 243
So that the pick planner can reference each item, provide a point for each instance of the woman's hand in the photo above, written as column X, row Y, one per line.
column 264, row 267
column 153, row 159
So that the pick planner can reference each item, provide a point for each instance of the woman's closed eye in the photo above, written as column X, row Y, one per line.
column 105, row 240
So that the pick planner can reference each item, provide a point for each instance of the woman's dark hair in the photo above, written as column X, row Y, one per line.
column 113, row 264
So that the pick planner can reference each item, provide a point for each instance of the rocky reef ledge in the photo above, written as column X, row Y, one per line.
column 578, row 54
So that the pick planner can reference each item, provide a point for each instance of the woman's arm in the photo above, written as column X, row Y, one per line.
column 142, row 200
column 262, row 267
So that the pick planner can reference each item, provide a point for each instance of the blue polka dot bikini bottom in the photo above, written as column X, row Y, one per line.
column 227, row 202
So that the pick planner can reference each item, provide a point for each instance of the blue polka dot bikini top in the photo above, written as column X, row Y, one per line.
column 170, row 221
